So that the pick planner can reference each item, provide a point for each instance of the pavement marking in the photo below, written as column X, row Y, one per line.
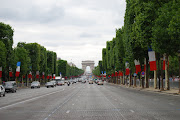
column 132, row 111
column 67, row 111
column 72, row 104
column 115, row 107
column 29, row 100
column 69, row 98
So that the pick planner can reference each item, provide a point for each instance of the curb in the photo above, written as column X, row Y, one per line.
column 144, row 89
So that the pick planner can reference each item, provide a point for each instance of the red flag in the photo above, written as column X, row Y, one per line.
column 164, row 63
column 37, row 74
column 43, row 75
column 137, row 65
column 54, row 76
column 30, row 75
column 120, row 73
column 152, row 60
column 10, row 72
column 127, row 71
column 127, row 68
column 116, row 73
column 48, row 77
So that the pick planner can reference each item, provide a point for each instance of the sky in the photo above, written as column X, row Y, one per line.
column 76, row 30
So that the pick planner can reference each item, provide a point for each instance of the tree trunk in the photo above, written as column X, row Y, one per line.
column 134, row 81
column 130, row 80
column 22, row 81
column 155, row 79
column 166, row 72
column 147, row 74
column 140, row 81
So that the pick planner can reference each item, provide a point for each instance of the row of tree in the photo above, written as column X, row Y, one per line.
column 34, row 59
column 147, row 24
column 68, row 70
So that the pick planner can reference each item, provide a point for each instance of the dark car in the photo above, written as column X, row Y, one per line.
column 10, row 86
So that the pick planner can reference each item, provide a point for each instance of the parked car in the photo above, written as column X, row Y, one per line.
column 90, row 82
column 49, row 84
column 100, row 82
column 83, row 81
column 2, row 91
column 35, row 84
column 10, row 86
column 54, row 83
column 60, row 83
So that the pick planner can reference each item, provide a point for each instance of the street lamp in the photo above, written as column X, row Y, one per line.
column 179, row 69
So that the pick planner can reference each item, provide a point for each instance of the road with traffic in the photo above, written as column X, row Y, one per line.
column 83, row 101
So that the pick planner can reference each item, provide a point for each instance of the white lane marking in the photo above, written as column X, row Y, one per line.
column 114, row 107
column 72, row 104
column 67, row 111
column 132, row 111
column 70, row 97
column 28, row 100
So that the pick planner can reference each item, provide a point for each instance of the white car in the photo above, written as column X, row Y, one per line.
column 2, row 91
column 49, row 84
column 54, row 82
column 35, row 84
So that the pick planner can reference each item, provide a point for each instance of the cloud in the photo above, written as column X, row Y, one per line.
column 76, row 29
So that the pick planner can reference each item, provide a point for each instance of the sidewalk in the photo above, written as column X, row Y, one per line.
column 172, row 91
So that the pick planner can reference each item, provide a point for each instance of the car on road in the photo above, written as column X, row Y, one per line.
column 83, row 81
column 60, row 83
column 2, row 91
column 54, row 83
column 35, row 84
column 49, row 84
column 100, row 82
column 90, row 82
column 10, row 86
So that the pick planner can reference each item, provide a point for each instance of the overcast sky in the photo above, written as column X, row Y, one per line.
column 75, row 29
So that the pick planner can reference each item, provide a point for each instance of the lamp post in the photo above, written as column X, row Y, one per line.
column 179, row 69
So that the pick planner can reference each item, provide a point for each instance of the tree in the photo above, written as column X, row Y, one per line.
column 21, row 55
column 162, row 41
column 6, row 36
column 61, row 67
column 2, row 56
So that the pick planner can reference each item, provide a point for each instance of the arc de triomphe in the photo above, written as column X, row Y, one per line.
column 88, row 63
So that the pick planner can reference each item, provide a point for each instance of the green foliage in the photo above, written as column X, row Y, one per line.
column 6, row 36
column 162, row 41
column 21, row 55
column 61, row 67
column 50, row 62
column 2, row 55
column 104, row 60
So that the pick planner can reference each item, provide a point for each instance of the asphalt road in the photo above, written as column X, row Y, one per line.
column 88, row 102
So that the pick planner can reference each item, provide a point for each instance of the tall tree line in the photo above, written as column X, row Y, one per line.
column 147, row 24
column 34, row 58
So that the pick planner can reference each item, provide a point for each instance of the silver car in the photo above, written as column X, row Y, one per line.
column 35, row 84
column 49, row 84
column 2, row 91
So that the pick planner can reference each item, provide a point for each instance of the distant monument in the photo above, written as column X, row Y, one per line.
column 89, row 63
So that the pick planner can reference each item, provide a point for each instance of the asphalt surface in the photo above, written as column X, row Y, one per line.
column 88, row 102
